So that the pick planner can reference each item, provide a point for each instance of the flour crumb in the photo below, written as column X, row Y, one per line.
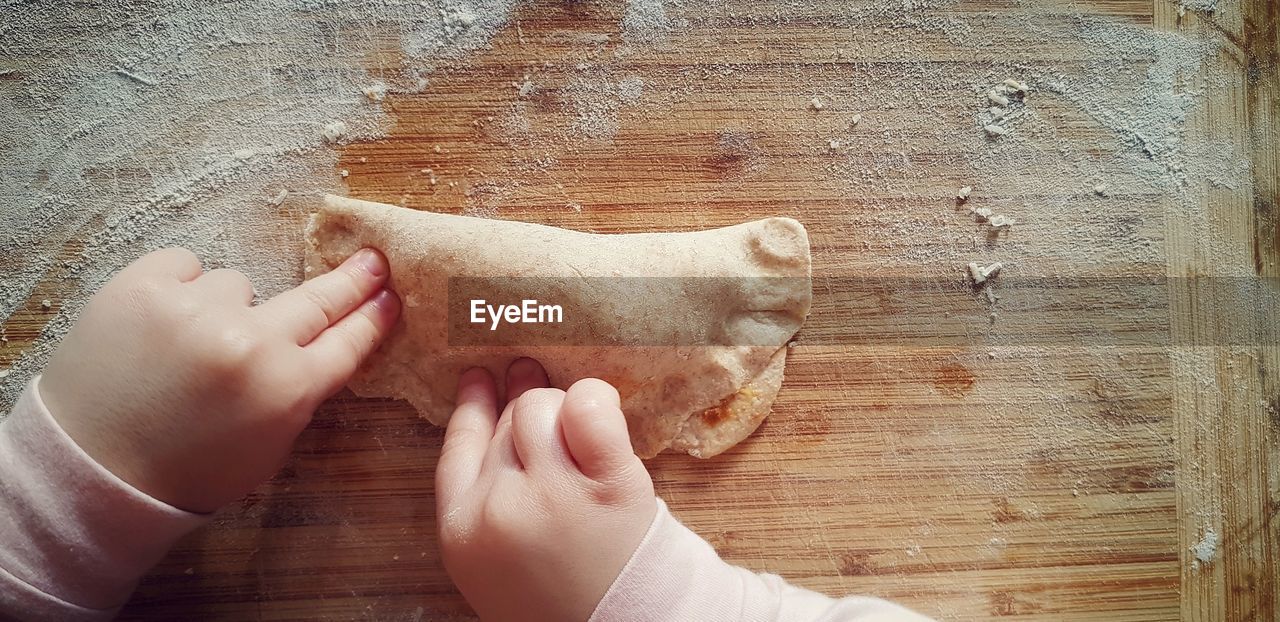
column 1015, row 86
column 1203, row 6
column 816, row 104
column 334, row 131
column 140, row 79
column 999, row 221
column 278, row 200
column 982, row 213
column 857, row 118
column 457, row 19
column 46, row 304
column 981, row 275
column 963, row 193
column 997, row 98
column 375, row 92
column 834, row 144
column 344, row 172
column 244, row 154
column 1101, row 190
column 524, row 88
column 995, row 131
column 1206, row 549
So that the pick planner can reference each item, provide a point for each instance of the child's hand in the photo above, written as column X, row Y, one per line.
column 541, row 508
column 173, row 381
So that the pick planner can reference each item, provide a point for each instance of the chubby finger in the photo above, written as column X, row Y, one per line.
column 502, row 449
column 535, row 428
column 225, row 284
column 178, row 263
column 338, row 351
column 468, row 435
column 310, row 308
column 595, row 429
column 524, row 374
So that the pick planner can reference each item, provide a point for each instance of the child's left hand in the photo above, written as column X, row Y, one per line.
column 177, row 384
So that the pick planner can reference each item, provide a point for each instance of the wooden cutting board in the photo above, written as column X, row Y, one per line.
column 971, row 466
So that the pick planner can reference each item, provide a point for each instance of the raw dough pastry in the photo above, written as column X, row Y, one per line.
column 697, row 367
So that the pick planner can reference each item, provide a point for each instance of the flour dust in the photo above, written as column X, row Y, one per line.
column 137, row 125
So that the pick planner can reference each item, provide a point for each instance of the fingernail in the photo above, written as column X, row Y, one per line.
column 387, row 301
column 371, row 261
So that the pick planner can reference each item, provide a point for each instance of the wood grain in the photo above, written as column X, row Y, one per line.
column 987, row 475
column 1224, row 398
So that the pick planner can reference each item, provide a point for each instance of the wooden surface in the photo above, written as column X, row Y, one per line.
column 987, row 475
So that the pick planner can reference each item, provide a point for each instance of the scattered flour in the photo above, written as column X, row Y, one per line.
column 176, row 117
column 646, row 21
column 596, row 99
column 631, row 89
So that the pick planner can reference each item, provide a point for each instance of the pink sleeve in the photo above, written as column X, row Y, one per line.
column 74, row 539
column 676, row 575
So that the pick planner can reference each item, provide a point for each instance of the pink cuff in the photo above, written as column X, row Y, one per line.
column 676, row 575
column 74, row 538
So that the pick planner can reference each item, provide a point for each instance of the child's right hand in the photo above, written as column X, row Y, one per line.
column 177, row 384
column 541, row 507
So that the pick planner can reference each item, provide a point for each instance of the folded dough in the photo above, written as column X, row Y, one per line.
column 707, row 384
